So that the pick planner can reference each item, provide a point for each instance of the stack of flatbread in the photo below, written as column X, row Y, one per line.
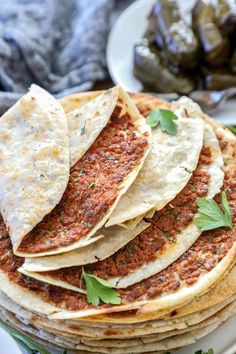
column 117, row 230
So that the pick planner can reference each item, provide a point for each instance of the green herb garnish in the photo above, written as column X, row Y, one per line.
column 61, row 218
column 99, row 289
column 27, row 280
column 165, row 119
column 231, row 128
column 130, row 249
column 167, row 234
column 92, row 185
column 110, row 158
column 108, row 91
column 193, row 188
column 210, row 216
column 31, row 346
column 82, row 130
column 210, row 351
column 81, row 171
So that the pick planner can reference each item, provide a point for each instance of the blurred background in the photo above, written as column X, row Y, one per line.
column 159, row 46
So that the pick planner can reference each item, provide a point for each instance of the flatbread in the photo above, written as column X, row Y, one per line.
column 145, row 344
column 129, row 152
column 88, row 332
column 91, row 119
column 113, row 238
column 166, row 169
column 164, row 255
column 77, row 100
column 112, row 335
column 34, row 154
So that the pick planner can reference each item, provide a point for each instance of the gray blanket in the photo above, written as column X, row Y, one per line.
column 57, row 44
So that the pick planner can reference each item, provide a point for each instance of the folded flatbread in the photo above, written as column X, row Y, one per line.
column 86, row 123
column 166, row 170
column 34, row 155
column 112, row 239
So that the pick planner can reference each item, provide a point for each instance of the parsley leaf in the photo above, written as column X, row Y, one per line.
column 163, row 118
column 99, row 289
column 231, row 128
column 210, row 216
column 82, row 130
column 210, row 351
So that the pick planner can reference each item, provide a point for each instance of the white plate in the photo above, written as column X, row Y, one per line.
column 128, row 30
column 7, row 344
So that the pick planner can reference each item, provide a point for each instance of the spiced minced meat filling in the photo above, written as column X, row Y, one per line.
column 94, row 184
column 165, row 225
column 202, row 257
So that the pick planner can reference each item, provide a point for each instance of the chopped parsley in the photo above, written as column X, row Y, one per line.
column 92, row 185
column 108, row 157
column 130, row 249
column 82, row 130
column 167, row 234
column 165, row 119
column 100, row 290
column 210, row 216
column 27, row 280
column 171, row 212
column 81, row 171
column 108, row 91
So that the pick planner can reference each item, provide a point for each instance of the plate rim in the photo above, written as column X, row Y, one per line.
column 11, row 340
column 132, row 7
